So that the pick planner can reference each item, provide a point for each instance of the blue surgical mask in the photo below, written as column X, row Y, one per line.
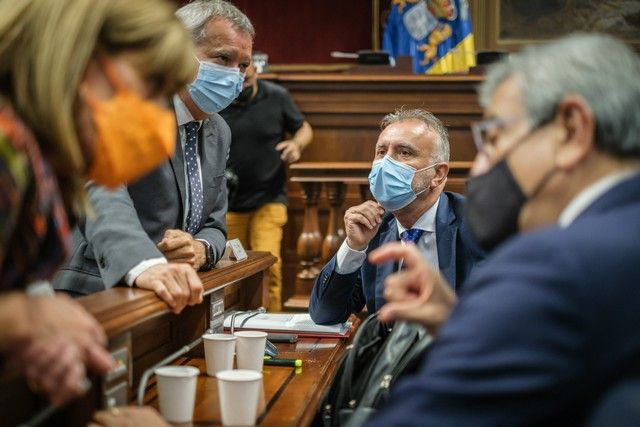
column 215, row 87
column 390, row 183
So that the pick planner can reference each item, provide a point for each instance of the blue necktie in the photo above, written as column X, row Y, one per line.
column 411, row 235
column 194, row 216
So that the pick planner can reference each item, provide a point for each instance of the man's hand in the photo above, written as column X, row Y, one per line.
column 180, row 246
column 361, row 223
column 176, row 284
column 417, row 293
column 290, row 151
column 58, row 339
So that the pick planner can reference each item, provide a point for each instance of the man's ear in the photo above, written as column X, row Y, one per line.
column 575, row 116
column 440, row 177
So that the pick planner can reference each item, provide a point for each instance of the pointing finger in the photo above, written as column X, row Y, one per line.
column 394, row 251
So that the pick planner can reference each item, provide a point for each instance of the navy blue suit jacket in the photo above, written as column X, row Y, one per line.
column 544, row 327
column 335, row 296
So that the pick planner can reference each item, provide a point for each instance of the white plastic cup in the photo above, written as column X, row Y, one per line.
column 262, row 402
column 238, row 391
column 218, row 352
column 250, row 349
column 177, row 392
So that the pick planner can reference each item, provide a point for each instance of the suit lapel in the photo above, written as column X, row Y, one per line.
column 446, row 231
column 390, row 234
column 177, row 164
column 207, row 133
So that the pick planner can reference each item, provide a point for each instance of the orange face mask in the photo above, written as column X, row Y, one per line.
column 133, row 135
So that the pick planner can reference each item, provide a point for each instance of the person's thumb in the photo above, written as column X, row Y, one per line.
column 99, row 360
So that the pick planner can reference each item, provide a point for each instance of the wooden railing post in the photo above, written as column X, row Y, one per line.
column 308, row 247
column 365, row 192
column 335, row 231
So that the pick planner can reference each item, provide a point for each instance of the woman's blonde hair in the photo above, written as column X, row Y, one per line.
column 45, row 46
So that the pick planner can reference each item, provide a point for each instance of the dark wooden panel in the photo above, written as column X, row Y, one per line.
column 159, row 336
column 294, row 31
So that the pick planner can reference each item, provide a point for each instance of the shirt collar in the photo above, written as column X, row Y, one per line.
column 586, row 197
column 426, row 222
column 183, row 115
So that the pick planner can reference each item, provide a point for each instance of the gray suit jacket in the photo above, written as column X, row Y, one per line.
column 129, row 222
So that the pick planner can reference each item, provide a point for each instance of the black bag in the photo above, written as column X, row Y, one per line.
column 368, row 368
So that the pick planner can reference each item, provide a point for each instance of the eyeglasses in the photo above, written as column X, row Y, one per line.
column 481, row 129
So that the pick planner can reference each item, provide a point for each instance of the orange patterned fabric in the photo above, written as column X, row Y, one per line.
column 34, row 229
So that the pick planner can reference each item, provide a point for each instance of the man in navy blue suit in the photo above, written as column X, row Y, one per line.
column 407, row 179
column 550, row 322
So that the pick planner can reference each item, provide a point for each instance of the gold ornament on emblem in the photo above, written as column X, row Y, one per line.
column 437, row 36
column 402, row 3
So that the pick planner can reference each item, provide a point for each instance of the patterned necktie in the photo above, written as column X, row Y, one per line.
column 194, row 215
column 411, row 235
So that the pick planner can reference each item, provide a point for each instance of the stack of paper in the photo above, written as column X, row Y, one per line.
column 300, row 324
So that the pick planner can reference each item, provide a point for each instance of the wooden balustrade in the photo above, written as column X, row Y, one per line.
column 314, row 251
column 334, row 177
column 308, row 247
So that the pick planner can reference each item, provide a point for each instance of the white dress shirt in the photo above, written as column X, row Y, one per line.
column 349, row 260
column 586, row 197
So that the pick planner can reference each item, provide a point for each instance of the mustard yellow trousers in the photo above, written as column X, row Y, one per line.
column 261, row 230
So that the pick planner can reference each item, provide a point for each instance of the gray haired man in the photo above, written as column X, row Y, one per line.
column 408, row 175
column 158, row 231
column 548, row 326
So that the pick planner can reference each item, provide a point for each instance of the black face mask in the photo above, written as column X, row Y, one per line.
column 494, row 201
column 245, row 96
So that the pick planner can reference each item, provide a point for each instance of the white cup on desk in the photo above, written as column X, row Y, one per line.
column 238, row 392
column 177, row 392
column 250, row 349
column 218, row 352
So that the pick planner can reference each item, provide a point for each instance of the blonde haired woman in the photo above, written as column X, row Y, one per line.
column 83, row 89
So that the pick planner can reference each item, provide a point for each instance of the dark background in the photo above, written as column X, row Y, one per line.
column 306, row 31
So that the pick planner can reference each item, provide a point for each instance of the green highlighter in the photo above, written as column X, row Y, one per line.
column 294, row 363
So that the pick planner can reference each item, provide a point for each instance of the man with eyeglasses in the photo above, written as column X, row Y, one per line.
column 407, row 180
column 547, row 327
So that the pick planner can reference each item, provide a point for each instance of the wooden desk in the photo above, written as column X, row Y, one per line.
column 140, row 326
column 290, row 398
